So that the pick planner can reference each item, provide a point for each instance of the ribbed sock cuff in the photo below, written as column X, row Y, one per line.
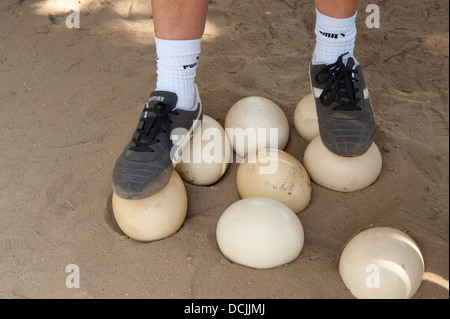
column 334, row 37
column 177, row 61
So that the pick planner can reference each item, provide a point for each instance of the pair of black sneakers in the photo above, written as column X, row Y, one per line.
column 344, row 110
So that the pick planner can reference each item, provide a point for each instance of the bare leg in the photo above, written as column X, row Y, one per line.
column 179, row 19
column 340, row 9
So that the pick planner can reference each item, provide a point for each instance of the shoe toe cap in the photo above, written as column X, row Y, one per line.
column 348, row 142
column 138, row 184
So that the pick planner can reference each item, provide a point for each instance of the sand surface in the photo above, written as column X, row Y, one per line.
column 70, row 99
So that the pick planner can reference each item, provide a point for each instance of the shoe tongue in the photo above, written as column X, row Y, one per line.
column 350, row 63
column 165, row 97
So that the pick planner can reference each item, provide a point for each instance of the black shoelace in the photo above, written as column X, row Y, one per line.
column 340, row 85
column 152, row 127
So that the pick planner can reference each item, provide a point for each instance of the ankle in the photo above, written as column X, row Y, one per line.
column 176, row 68
column 334, row 37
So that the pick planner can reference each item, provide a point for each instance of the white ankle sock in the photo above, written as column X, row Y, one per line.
column 334, row 37
column 177, row 62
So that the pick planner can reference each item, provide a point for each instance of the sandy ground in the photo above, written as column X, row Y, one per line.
column 70, row 99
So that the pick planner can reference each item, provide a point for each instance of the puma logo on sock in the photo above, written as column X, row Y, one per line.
column 190, row 66
column 332, row 35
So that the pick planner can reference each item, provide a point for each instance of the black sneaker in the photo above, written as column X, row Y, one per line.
column 146, row 163
column 344, row 109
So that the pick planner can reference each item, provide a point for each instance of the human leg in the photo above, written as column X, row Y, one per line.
column 335, row 30
column 179, row 27
column 146, row 163
column 339, row 9
column 344, row 109
column 179, row 19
